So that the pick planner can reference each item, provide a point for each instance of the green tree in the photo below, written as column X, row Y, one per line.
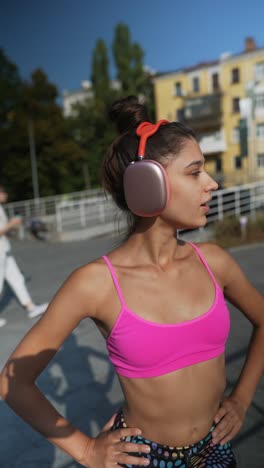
column 10, row 88
column 131, row 73
column 91, row 129
column 122, row 52
column 89, row 124
column 100, row 71
column 59, row 159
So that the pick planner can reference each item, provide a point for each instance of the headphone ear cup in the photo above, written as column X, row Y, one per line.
column 146, row 188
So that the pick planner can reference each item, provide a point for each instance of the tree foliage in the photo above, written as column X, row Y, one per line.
column 89, row 124
column 10, row 88
column 100, row 71
column 58, row 157
column 69, row 150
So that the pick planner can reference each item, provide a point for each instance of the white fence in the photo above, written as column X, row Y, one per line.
column 46, row 206
column 236, row 201
column 91, row 213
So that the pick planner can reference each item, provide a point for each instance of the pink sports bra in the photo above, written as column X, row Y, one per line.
column 140, row 348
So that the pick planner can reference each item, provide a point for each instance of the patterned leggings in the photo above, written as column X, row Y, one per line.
column 202, row 454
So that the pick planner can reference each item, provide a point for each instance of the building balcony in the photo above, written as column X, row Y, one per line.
column 202, row 111
column 214, row 142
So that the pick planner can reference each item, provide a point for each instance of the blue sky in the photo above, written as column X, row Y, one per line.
column 59, row 35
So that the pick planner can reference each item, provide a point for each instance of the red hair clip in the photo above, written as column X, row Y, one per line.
column 144, row 131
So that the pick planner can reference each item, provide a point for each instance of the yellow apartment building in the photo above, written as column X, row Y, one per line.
column 223, row 101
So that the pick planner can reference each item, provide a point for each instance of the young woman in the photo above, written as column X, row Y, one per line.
column 159, row 303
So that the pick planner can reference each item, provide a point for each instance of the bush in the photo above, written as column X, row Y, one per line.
column 228, row 233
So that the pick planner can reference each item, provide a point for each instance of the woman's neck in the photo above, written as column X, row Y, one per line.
column 154, row 242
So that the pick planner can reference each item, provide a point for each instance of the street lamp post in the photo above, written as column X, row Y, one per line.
column 33, row 159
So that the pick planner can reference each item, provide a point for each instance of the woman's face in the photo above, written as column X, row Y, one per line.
column 191, row 188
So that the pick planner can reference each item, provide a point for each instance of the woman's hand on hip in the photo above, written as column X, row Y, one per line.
column 110, row 449
column 229, row 419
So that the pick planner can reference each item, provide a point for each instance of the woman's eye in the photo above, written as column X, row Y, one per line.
column 196, row 173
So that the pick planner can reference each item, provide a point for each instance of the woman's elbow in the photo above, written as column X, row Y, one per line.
column 3, row 384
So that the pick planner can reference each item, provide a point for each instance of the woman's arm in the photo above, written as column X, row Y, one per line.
column 240, row 292
column 76, row 299
column 17, row 384
column 11, row 224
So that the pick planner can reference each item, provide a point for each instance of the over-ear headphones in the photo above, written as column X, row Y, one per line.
column 146, row 184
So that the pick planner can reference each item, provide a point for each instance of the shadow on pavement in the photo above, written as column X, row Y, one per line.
column 78, row 381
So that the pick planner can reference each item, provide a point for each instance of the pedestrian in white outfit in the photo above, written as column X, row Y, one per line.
column 9, row 270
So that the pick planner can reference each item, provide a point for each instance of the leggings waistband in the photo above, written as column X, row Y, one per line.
column 120, row 422
column 200, row 454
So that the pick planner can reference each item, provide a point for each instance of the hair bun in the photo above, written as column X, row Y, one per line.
column 128, row 113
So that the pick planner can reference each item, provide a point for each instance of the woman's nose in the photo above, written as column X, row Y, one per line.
column 212, row 184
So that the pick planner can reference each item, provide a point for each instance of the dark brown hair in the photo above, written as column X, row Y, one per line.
column 163, row 146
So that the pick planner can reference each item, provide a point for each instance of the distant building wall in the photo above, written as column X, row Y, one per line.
column 208, row 97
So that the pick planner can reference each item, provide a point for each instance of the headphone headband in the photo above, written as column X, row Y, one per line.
column 144, row 131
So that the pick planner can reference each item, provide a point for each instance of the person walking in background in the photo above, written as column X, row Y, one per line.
column 9, row 270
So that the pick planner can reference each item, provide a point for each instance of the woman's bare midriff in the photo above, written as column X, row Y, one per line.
column 176, row 409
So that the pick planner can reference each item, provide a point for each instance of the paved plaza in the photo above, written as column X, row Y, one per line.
column 79, row 381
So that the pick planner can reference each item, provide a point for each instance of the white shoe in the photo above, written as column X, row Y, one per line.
column 37, row 310
column 2, row 322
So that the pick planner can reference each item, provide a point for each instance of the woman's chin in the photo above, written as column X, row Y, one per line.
column 196, row 225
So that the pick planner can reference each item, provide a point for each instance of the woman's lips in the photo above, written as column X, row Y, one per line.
column 205, row 207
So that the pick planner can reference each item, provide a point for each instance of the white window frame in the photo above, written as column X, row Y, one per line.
column 234, row 163
column 260, row 160
column 175, row 89
column 260, row 131
column 259, row 71
column 259, row 101
column 232, row 103
column 212, row 82
column 235, row 138
column 239, row 75
column 197, row 77
column 211, row 72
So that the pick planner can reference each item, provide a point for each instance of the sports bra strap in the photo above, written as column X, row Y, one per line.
column 204, row 262
column 114, row 278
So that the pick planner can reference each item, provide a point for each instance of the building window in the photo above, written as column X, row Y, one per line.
column 178, row 89
column 259, row 71
column 235, row 104
column 196, row 85
column 237, row 162
column 180, row 115
column 235, row 135
column 260, row 131
column 215, row 82
column 235, row 75
column 260, row 161
column 218, row 165
column 259, row 101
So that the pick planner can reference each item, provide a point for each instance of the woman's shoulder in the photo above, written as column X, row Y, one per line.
column 91, row 275
column 209, row 248
column 218, row 259
column 90, row 283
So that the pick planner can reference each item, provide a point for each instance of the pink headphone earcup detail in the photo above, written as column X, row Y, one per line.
column 146, row 188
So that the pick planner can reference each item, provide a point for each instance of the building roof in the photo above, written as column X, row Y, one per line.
column 210, row 63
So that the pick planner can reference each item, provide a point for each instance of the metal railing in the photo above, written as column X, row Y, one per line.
column 94, row 212
column 46, row 206
column 236, row 201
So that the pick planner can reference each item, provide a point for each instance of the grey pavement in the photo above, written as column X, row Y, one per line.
column 79, row 380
